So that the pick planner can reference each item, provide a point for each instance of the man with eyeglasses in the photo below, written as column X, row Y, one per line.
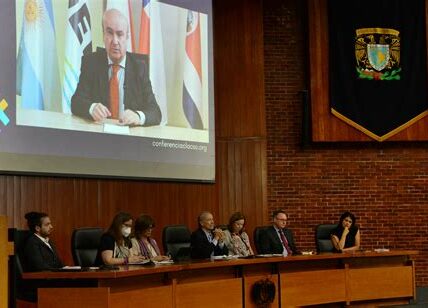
column 277, row 239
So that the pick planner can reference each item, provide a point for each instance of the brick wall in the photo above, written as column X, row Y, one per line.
column 385, row 185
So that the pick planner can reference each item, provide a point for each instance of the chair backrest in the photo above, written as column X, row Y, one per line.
column 18, row 288
column 322, row 237
column 18, row 237
column 84, row 245
column 174, row 239
column 257, row 232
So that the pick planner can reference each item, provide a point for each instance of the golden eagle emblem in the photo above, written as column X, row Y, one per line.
column 377, row 52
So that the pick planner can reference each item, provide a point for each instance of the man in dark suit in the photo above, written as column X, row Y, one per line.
column 114, row 83
column 207, row 241
column 38, row 251
column 276, row 239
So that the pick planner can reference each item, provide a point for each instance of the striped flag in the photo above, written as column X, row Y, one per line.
column 150, row 43
column 78, row 42
column 37, row 78
column 192, row 81
column 124, row 6
column 144, row 41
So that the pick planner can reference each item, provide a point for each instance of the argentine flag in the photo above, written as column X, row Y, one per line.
column 78, row 42
column 37, row 75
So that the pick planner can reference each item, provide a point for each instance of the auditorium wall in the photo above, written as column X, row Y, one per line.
column 241, row 170
column 261, row 164
column 384, row 184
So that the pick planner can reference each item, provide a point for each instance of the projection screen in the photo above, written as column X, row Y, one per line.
column 58, row 112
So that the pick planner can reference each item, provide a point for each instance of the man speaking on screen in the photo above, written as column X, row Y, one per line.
column 115, row 83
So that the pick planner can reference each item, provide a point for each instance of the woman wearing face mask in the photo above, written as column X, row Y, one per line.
column 115, row 244
column 346, row 237
column 143, row 244
column 236, row 239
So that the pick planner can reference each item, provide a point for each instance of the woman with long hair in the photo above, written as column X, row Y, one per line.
column 346, row 237
column 115, row 244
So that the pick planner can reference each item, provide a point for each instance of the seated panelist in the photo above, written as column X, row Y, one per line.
column 277, row 239
column 346, row 237
column 39, row 251
column 207, row 240
column 236, row 239
column 143, row 244
column 114, row 83
column 115, row 244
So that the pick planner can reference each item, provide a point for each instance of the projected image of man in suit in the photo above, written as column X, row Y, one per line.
column 115, row 83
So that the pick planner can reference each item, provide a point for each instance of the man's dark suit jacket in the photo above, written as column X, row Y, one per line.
column 201, row 248
column 270, row 242
column 93, row 86
column 38, row 256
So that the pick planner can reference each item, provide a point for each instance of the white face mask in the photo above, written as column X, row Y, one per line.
column 126, row 231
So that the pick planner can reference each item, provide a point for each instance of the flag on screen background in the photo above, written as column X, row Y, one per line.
column 78, row 41
column 37, row 78
column 192, row 81
column 150, row 43
column 144, row 41
column 124, row 6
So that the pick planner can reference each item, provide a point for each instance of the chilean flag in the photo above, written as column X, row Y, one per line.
column 192, row 81
column 144, row 41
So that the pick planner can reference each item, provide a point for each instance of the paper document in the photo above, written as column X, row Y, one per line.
column 116, row 129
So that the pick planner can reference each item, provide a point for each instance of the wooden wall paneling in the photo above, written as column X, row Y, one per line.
column 4, row 256
column 85, row 210
column 239, row 69
column 57, row 200
column 243, row 183
column 5, row 195
column 236, row 201
column 197, row 198
column 240, row 109
column 222, row 174
column 60, row 199
column 167, row 203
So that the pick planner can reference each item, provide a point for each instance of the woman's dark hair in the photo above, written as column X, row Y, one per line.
column 143, row 223
column 235, row 217
column 34, row 219
column 115, row 228
column 344, row 215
